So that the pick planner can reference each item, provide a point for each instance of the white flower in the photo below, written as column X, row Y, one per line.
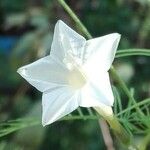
column 74, row 74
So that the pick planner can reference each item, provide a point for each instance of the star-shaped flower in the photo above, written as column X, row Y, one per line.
column 74, row 74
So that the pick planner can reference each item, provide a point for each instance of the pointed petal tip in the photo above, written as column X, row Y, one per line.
column 59, row 23
column 21, row 71
column 18, row 70
column 116, row 35
column 46, row 122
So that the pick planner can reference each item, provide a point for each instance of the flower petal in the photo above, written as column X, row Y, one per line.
column 100, row 52
column 44, row 73
column 97, row 92
column 57, row 103
column 66, row 41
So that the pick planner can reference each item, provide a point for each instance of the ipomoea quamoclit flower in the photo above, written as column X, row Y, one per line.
column 74, row 74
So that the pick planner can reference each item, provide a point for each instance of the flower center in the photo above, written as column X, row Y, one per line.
column 76, row 78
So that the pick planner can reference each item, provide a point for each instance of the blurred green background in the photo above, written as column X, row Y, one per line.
column 26, row 31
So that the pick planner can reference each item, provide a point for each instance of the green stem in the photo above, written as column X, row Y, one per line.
column 132, row 52
column 75, row 18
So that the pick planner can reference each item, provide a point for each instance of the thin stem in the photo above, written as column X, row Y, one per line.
column 134, row 106
column 132, row 52
column 75, row 18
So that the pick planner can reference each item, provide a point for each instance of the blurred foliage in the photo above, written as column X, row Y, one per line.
column 26, row 32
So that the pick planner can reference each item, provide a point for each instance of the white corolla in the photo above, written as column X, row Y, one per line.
column 74, row 74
